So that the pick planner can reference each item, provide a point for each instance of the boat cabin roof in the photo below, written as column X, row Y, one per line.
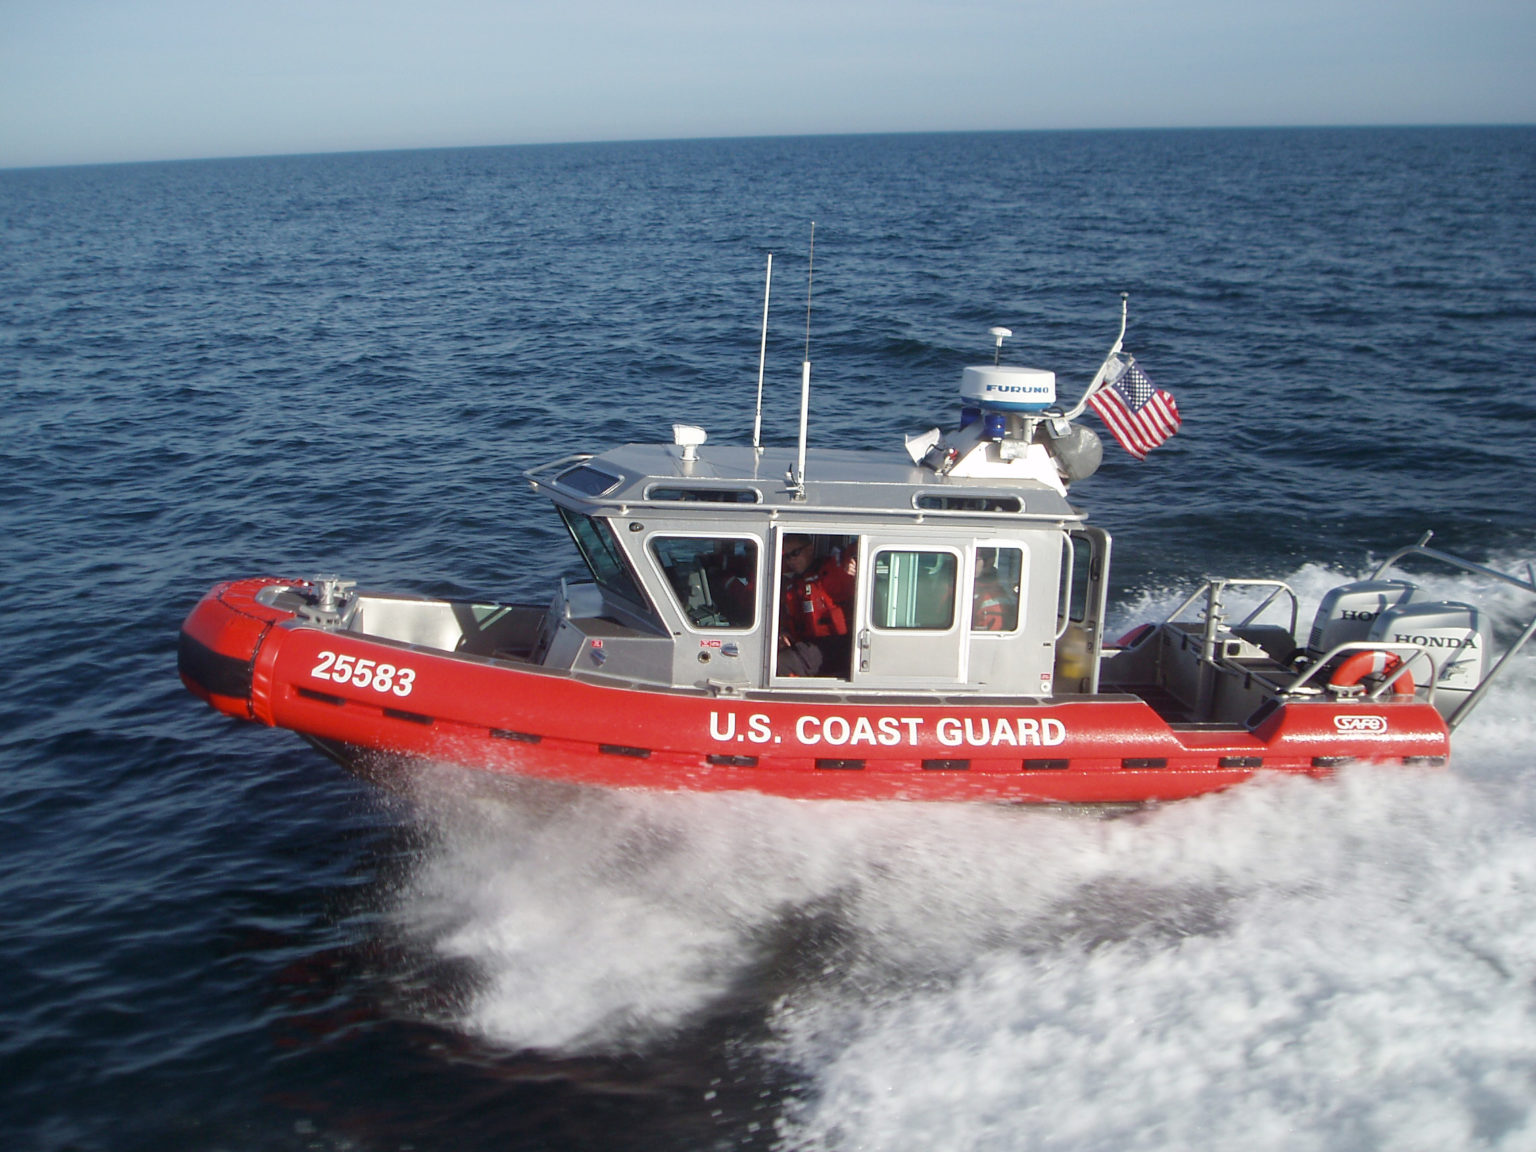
column 734, row 479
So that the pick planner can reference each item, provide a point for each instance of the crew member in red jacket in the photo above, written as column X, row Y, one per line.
column 815, row 612
column 994, row 605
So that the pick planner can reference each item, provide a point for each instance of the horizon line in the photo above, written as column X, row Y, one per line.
column 714, row 138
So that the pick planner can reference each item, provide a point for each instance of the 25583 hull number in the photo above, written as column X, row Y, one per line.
column 344, row 669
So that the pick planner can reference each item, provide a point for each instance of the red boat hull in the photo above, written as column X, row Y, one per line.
column 256, row 662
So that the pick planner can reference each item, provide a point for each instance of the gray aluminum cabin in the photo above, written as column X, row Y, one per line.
column 965, row 580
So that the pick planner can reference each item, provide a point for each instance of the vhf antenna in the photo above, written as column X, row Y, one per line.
column 797, row 477
column 762, row 356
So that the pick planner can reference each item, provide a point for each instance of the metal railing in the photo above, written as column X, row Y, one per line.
column 1528, row 584
column 1409, row 654
column 1214, row 615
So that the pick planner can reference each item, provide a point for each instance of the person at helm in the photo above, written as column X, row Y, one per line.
column 815, row 611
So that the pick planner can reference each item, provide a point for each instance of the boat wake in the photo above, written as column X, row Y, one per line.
column 1291, row 964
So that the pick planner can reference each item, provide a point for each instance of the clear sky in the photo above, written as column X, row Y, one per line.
column 85, row 81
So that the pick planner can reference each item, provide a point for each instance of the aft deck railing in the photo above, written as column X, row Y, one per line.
column 1214, row 616
column 1526, row 585
column 1415, row 657
column 1409, row 654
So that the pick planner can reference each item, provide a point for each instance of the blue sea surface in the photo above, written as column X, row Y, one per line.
column 214, row 938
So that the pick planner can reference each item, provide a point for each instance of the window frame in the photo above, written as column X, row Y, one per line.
column 665, row 576
column 957, row 561
column 1022, row 553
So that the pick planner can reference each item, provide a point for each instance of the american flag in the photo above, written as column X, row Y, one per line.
column 1140, row 414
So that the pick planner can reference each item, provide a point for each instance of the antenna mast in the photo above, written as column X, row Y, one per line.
column 762, row 356
column 797, row 478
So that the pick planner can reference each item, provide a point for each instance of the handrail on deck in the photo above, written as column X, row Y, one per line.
column 1214, row 617
column 1421, row 548
column 1409, row 654
column 535, row 475
column 1413, row 655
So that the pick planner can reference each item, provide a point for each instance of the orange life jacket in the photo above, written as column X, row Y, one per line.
column 989, row 611
column 811, row 609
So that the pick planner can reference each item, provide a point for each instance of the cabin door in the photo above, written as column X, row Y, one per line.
column 1080, row 617
column 909, row 630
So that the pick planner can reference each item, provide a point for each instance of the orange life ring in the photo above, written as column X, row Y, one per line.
column 1357, row 667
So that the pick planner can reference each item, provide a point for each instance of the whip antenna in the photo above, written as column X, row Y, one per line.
column 810, row 272
column 797, row 478
column 762, row 355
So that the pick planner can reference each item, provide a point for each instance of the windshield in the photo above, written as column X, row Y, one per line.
column 601, row 552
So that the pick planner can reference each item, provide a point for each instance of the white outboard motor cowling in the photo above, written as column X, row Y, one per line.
column 1455, row 636
column 1349, row 611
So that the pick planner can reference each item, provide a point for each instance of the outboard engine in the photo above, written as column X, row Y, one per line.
column 1455, row 636
column 1349, row 612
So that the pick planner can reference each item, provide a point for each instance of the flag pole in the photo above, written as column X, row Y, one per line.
column 1103, row 372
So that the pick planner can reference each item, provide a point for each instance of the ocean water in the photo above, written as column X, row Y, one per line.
column 213, row 938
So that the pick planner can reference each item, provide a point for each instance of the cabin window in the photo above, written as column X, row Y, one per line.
column 1076, row 576
column 950, row 502
column 914, row 590
column 601, row 551
column 995, row 591
column 587, row 480
column 706, row 495
column 713, row 580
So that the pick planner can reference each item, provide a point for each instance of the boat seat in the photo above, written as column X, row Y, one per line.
column 1277, row 642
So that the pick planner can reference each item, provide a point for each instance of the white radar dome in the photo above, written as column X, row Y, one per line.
column 1009, row 388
